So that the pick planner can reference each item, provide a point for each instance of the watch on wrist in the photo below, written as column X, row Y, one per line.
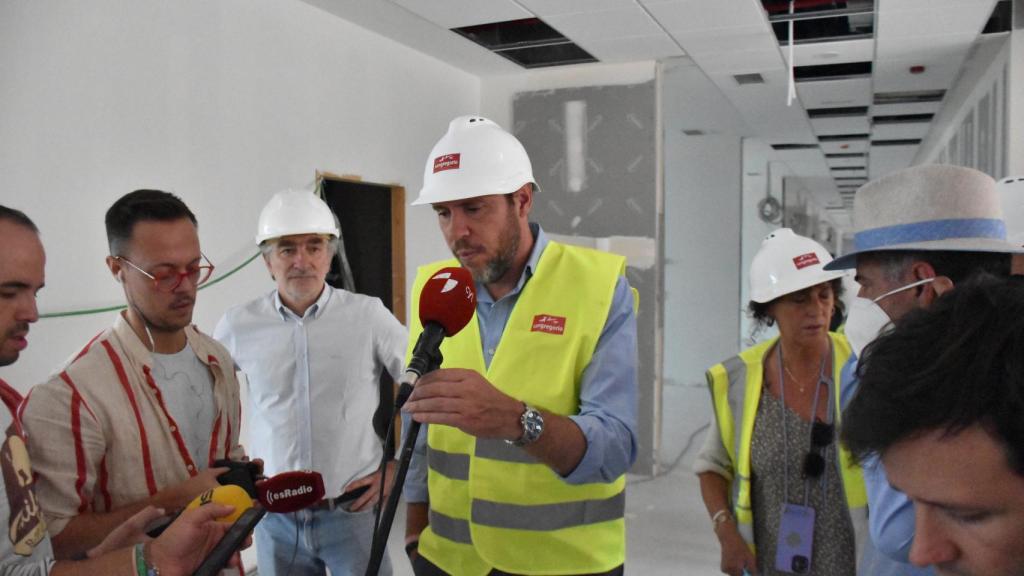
column 532, row 423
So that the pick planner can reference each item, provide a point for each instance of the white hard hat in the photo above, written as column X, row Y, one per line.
column 1012, row 192
column 787, row 263
column 476, row 157
column 295, row 212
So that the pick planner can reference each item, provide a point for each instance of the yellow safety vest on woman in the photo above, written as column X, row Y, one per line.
column 492, row 505
column 736, row 391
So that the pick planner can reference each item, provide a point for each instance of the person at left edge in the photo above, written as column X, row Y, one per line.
column 313, row 356
column 140, row 414
column 548, row 364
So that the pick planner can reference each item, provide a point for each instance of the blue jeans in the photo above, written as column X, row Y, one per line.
column 335, row 539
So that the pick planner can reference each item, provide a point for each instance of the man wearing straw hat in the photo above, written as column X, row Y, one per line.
column 918, row 233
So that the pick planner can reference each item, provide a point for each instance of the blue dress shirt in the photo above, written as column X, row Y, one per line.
column 890, row 512
column 608, row 387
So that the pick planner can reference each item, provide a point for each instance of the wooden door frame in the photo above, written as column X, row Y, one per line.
column 398, row 298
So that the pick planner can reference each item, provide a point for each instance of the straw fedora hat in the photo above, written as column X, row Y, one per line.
column 930, row 207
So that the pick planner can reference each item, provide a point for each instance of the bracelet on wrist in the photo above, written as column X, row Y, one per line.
column 143, row 567
column 720, row 517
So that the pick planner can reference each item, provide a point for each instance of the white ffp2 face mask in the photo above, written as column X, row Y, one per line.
column 867, row 320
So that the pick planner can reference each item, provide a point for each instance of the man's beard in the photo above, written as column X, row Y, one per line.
column 508, row 246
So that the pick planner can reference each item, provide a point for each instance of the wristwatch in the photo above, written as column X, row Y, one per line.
column 533, row 426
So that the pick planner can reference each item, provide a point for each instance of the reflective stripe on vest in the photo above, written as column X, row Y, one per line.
column 520, row 516
column 736, row 386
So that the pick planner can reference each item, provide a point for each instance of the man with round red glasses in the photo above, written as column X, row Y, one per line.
column 141, row 414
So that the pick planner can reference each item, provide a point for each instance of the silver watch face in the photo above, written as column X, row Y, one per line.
column 533, row 425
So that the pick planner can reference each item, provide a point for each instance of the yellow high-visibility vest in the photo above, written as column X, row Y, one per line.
column 736, row 391
column 492, row 505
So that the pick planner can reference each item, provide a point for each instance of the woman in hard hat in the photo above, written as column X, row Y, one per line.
column 783, row 496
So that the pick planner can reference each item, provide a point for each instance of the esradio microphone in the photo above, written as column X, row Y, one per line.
column 290, row 491
column 447, row 304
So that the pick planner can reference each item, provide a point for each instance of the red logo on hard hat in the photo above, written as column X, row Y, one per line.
column 548, row 324
column 805, row 260
column 446, row 162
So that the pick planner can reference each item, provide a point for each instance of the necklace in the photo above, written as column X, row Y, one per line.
column 795, row 380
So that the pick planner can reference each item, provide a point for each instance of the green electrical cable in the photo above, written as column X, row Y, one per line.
column 89, row 311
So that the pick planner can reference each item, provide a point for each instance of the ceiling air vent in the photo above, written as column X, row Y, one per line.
column 845, row 155
column 744, row 79
column 847, row 168
column 528, row 42
column 842, row 137
column 905, row 142
column 902, row 119
column 693, row 132
column 844, row 112
column 842, row 71
column 794, row 146
column 909, row 97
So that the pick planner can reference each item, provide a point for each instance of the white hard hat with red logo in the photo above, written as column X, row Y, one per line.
column 476, row 157
column 787, row 263
column 295, row 212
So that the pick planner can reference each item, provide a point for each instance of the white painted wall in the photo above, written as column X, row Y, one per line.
column 223, row 103
column 1015, row 102
column 986, row 65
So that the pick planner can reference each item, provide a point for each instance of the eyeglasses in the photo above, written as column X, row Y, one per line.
column 168, row 281
column 821, row 436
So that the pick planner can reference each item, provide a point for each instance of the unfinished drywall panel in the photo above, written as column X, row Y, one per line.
column 594, row 156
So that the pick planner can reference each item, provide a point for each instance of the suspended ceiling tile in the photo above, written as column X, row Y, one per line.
column 458, row 13
column 846, row 162
column 888, row 159
column 842, row 52
column 894, row 75
column 845, row 125
column 605, row 24
column 632, row 48
column 909, row 108
column 717, row 41
column 900, row 131
column 544, row 8
column 844, row 146
column 859, row 173
column 743, row 62
column 835, row 93
column 696, row 15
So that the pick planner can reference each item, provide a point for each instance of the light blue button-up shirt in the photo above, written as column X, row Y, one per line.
column 890, row 512
column 313, row 380
column 608, row 388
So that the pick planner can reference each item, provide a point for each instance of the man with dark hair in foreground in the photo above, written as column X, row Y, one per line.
column 941, row 400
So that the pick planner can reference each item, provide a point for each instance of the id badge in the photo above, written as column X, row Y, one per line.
column 796, row 537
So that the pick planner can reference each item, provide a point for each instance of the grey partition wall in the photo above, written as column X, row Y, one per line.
column 594, row 156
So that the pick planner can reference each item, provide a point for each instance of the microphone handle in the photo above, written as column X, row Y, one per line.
column 383, row 529
column 426, row 355
column 231, row 542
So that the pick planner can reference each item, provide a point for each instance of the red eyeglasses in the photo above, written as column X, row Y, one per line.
column 168, row 281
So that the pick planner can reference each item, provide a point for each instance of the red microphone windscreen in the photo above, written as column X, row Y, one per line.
column 449, row 299
column 290, row 491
